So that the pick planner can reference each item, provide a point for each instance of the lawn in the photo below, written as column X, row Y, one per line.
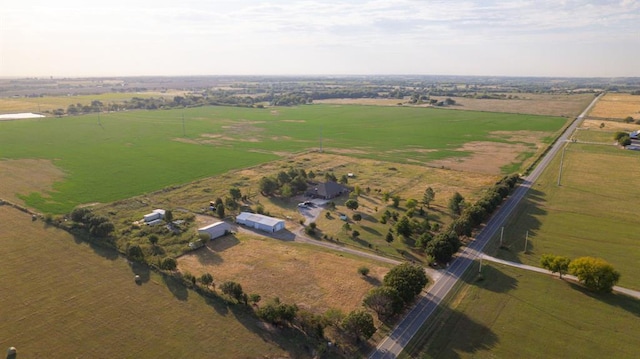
column 119, row 155
column 62, row 298
column 513, row 313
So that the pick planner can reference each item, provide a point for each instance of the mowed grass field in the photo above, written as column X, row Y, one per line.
column 62, row 299
column 119, row 155
column 592, row 213
column 514, row 313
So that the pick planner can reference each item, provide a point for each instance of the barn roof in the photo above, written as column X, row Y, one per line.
column 258, row 218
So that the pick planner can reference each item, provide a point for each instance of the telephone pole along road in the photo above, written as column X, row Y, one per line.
column 391, row 346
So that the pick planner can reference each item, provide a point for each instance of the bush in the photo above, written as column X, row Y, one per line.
column 363, row 271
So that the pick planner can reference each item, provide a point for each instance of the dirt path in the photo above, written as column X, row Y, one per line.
column 625, row 291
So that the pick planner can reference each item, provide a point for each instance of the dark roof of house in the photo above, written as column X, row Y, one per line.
column 328, row 189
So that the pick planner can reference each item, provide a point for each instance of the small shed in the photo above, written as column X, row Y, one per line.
column 261, row 222
column 215, row 230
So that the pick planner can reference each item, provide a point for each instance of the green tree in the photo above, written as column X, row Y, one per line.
column 283, row 177
column 220, row 211
column 357, row 217
column 456, row 204
column 424, row 240
column 359, row 325
column 333, row 316
column 135, row 253
column 384, row 300
column 396, row 201
column 286, row 190
column 206, row 279
column 168, row 216
column 595, row 273
column 411, row 203
column 232, row 289
column 235, row 193
column 364, row 271
column 403, row 227
column 429, row 196
column 168, row 263
column 441, row 249
column 555, row 264
column 268, row 186
column 344, row 179
column 355, row 234
column 389, row 237
column 352, row 204
column 408, row 279
column 254, row 298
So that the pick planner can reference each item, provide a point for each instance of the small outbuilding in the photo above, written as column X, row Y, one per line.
column 259, row 221
column 156, row 215
column 215, row 230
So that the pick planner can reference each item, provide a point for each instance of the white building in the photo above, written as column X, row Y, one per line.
column 259, row 221
column 215, row 230
column 154, row 217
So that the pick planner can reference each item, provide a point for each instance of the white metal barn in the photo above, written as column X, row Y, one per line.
column 261, row 222
column 215, row 230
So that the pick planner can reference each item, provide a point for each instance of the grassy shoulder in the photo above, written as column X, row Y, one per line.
column 514, row 313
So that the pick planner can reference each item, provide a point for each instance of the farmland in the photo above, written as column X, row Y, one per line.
column 63, row 298
column 514, row 313
column 617, row 105
column 119, row 155
column 590, row 214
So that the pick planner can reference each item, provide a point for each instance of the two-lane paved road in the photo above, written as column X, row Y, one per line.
column 391, row 346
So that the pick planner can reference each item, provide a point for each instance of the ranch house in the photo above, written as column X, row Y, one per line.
column 326, row 190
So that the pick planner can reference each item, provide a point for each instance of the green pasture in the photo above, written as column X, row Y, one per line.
column 513, row 313
column 592, row 213
column 62, row 298
column 117, row 155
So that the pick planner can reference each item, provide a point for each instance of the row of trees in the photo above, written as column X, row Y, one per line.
column 400, row 287
column 595, row 273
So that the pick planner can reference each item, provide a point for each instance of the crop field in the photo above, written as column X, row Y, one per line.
column 617, row 105
column 119, row 155
column 514, row 313
column 64, row 299
column 592, row 212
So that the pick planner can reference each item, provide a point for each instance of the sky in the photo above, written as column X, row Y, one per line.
column 553, row 38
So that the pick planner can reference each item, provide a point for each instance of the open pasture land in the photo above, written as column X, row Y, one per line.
column 61, row 299
column 528, row 103
column 119, row 155
column 592, row 213
column 617, row 105
column 50, row 103
column 514, row 313
column 311, row 277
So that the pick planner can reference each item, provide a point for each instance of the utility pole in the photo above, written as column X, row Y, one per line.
column 501, row 234
column 184, row 132
column 561, row 162
column 526, row 240
column 480, row 268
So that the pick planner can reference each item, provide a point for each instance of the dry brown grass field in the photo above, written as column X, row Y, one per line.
column 64, row 299
column 50, row 103
column 527, row 103
column 313, row 278
column 617, row 105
